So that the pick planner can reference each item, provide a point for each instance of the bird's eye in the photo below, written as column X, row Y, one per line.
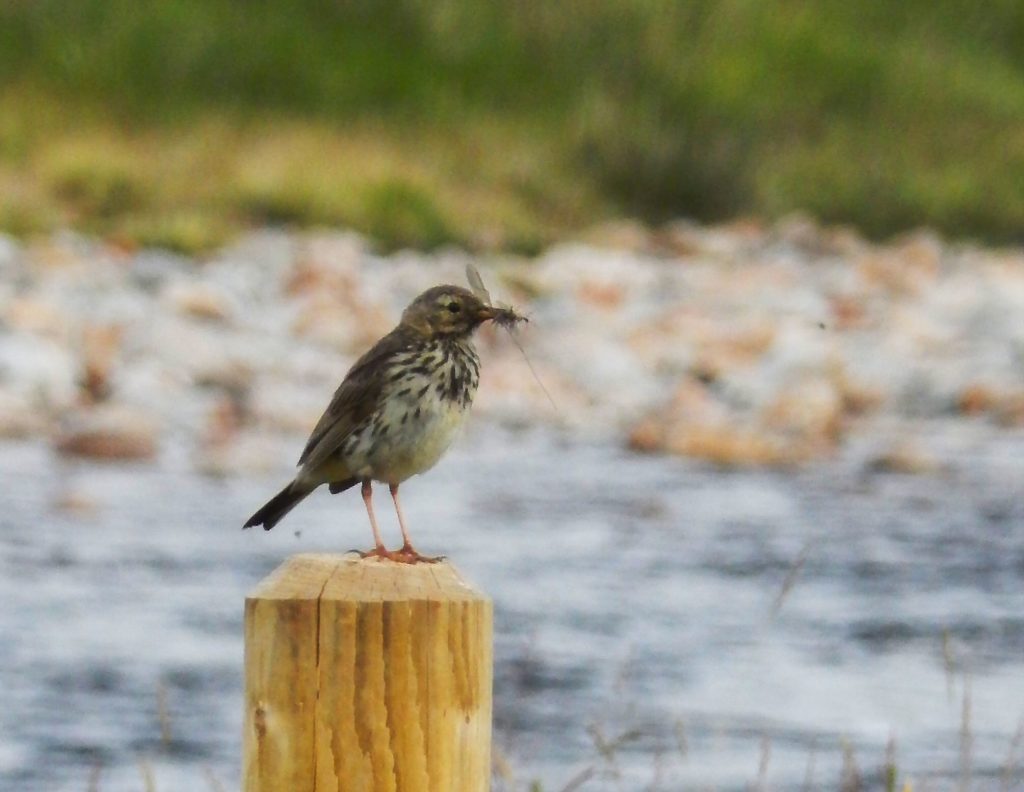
column 454, row 307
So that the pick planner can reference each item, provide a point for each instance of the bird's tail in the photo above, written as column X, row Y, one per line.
column 277, row 507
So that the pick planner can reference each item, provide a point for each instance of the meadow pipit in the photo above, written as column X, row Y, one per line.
column 397, row 410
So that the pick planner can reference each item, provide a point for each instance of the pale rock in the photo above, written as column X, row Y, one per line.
column 246, row 455
column 802, row 232
column 906, row 268
column 512, row 393
column 283, row 406
column 109, row 432
column 905, row 458
column 101, row 346
column 809, row 411
column 76, row 503
column 200, row 301
column 1010, row 411
column 17, row 417
column 977, row 398
column 40, row 317
column 723, row 444
column 38, row 369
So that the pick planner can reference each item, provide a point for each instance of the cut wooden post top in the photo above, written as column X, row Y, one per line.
column 367, row 675
column 325, row 576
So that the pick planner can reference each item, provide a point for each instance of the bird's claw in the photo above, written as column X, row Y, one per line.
column 407, row 554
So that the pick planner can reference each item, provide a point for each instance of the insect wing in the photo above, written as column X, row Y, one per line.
column 476, row 283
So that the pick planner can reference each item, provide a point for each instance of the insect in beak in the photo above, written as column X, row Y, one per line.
column 504, row 316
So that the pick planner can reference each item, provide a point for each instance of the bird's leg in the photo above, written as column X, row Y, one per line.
column 378, row 549
column 408, row 553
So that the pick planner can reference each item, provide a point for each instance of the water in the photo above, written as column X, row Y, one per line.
column 727, row 626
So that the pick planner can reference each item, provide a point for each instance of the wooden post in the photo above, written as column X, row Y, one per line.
column 366, row 676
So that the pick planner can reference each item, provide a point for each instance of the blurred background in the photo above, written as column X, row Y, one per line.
column 768, row 530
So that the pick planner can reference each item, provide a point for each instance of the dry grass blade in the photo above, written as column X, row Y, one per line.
column 579, row 779
column 94, row 777
column 966, row 738
column 163, row 714
column 501, row 767
column 762, row 765
column 948, row 663
column 890, row 765
column 851, row 779
column 212, row 780
column 791, row 577
column 809, row 774
column 148, row 779
column 607, row 748
column 1012, row 757
column 657, row 771
column 682, row 744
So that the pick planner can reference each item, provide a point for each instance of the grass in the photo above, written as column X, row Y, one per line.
column 495, row 124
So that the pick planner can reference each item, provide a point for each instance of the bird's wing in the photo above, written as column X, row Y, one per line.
column 353, row 401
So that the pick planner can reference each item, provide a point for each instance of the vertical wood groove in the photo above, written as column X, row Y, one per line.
column 383, row 669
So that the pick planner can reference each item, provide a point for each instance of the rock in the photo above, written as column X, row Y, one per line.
column 324, row 320
column 906, row 268
column 906, row 459
column 36, row 316
column 810, row 411
column 109, row 432
column 17, row 418
column 605, row 296
column 695, row 424
column 244, row 455
column 1010, row 412
column 977, row 399
column 328, row 264
column 858, row 398
column 100, row 346
column 333, row 308
column 224, row 420
column 151, row 269
column 679, row 239
column 76, row 504
column 848, row 312
column 721, row 444
column 282, row 406
column 802, row 232
column 807, row 237
column 229, row 375
column 200, row 301
column 42, row 371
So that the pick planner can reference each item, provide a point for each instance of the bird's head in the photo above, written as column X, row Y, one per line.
column 447, row 311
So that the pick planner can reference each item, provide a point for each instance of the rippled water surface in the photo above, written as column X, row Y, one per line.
column 720, row 626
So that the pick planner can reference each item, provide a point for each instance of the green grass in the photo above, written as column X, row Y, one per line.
column 507, row 124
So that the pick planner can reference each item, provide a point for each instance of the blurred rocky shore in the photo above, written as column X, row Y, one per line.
column 745, row 344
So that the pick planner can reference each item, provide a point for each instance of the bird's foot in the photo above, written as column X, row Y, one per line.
column 406, row 555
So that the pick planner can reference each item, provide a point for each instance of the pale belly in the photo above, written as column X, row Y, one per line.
column 410, row 447
column 423, row 410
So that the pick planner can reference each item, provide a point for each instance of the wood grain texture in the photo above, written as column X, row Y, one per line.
column 367, row 676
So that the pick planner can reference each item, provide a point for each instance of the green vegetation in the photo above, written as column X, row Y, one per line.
column 495, row 123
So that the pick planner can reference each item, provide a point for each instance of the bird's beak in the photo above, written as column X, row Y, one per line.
column 486, row 312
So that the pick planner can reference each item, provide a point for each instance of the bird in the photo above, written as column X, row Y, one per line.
column 397, row 410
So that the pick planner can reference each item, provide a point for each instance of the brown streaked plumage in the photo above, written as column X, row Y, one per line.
column 396, row 411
